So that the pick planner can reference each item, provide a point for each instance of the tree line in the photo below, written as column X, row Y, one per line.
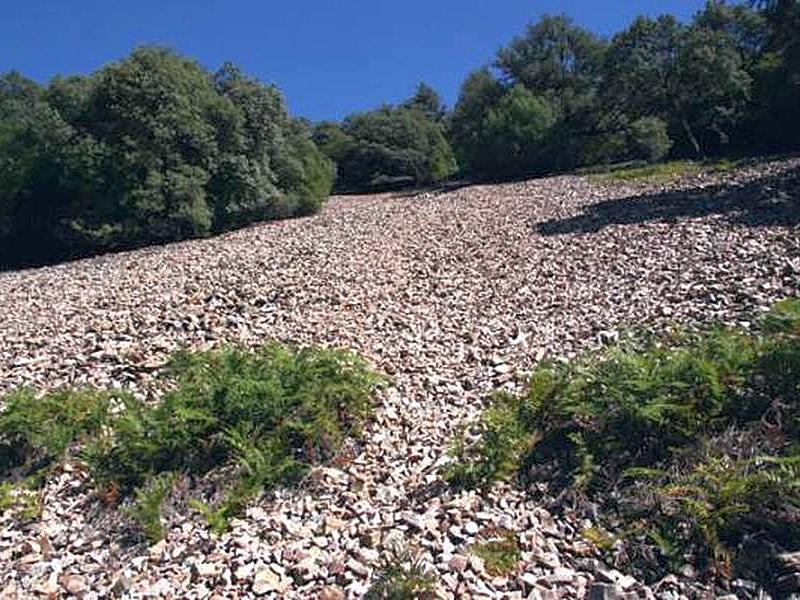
column 149, row 149
column 155, row 148
column 559, row 97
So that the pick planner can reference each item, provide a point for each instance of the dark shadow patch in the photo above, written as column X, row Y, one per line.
column 773, row 200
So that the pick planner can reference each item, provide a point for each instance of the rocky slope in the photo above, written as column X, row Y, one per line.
column 454, row 294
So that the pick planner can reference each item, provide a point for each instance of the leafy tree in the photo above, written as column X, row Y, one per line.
column 427, row 100
column 710, row 88
column 392, row 146
column 777, row 76
column 480, row 93
column 638, row 65
column 648, row 139
column 515, row 134
column 151, row 148
column 557, row 59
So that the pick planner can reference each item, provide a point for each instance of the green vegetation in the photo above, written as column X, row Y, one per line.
column 403, row 576
column 149, row 149
column 390, row 147
column 499, row 550
column 692, row 442
column 660, row 172
column 558, row 97
column 261, row 418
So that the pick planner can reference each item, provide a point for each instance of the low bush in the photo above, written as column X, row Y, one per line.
column 658, row 172
column 253, row 420
column 499, row 550
column 690, row 442
column 402, row 576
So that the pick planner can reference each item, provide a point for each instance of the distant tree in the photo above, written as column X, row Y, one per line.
column 427, row 100
column 693, row 78
column 331, row 139
column 648, row 139
column 390, row 147
column 777, row 76
column 557, row 59
column 638, row 65
column 394, row 147
column 515, row 135
column 710, row 88
column 480, row 93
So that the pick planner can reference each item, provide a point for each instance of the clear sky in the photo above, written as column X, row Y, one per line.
column 329, row 57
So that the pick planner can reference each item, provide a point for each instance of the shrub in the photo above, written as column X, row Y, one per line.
column 649, row 140
column 36, row 432
column 403, row 576
column 251, row 420
column 692, row 441
column 499, row 550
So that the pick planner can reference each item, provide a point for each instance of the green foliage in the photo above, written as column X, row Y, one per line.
column 662, row 172
column 499, row 550
column 722, row 501
column 148, row 149
column 24, row 501
column 262, row 417
column 402, row 576
column 725, row 83
column 36, row 432
column 504, row 440
column 556, row 58
column 692, row 442
column 147, row 504
column 648, row 139
column 269, row 414
column 390, row 147
column 515, row 134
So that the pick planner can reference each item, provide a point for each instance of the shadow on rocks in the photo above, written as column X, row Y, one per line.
column 772, row 200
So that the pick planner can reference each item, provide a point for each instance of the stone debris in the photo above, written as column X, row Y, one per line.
column 454, row 294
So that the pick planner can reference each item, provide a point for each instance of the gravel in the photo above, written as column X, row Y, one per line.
column 454, row 294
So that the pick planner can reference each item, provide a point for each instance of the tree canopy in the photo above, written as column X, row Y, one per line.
column 392, row 146
column 149, row 149
column 727, row 82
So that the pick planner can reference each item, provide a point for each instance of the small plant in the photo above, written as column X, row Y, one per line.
column 662, row 172
column 268, row 414
column 147, row 505
column 25, row 503
column 601, row 538
column 499, row 550
column 36, row 431
column 403, row 576
column 497, row 453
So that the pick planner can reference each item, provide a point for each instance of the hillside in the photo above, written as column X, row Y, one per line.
column 453, row 294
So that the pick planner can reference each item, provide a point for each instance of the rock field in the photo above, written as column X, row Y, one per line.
column 453, row 293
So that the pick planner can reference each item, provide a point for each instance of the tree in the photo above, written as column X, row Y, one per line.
column 480, row 93
column 427, row 100
column 151, row 148
column 710, row 88
column 638, row 65
column 515, row 135
column 390, row 147
column 394, row 147
column 557, row 59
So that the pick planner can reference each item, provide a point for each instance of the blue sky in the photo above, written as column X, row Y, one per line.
column 329, row 57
